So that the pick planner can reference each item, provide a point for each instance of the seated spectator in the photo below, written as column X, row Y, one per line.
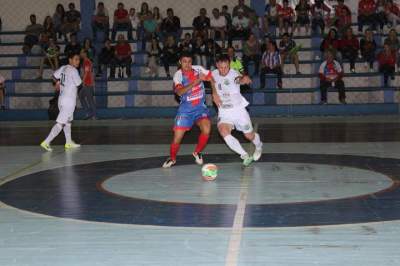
column 393, row 43
column 142, row 15
column 213, row 50
column 170, row 54
column 33, row 32
column 199, row 51
column 171, row 26
column 331, row 76
column 218, row 26
column 86, row 93
column 106, row 57
column 89, row 49
column 366, row 14
column 303, row 15
column 349, row 46
column 286, row 18
column 123, row 58
column 134, row 18
column 289, row 50
column 101, row 21
column 121, row 22
column 241, row 8
column 48, row 28
column 227, row 15
column 320, row 13
column 343, row 17
column 153, row 56
column 72, row 47
column 72, row 20
column 271, row 17
column 255, row 25
column 368, row 48
column 201, row 24
column 150, row 28
column 51, row 57
column 186, row 44
column 236, row 63
column 240, row 28
column 331, row 43
column 387, row 63
column 271, row 63
column 381, row 14
column 392, row 13
column 158, row 18
column 58, row 19
column 2, row 93
column 252, row 53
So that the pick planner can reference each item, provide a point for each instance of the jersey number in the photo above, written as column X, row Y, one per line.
column 62, row 80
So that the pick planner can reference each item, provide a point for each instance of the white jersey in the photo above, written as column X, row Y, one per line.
column 69, row 81
column 228, row 89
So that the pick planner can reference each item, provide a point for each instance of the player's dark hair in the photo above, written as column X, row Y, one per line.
column 185, row 54
column 223, row 58
column 71, row 55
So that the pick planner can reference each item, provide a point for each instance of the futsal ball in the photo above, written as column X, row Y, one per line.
column 209, row 172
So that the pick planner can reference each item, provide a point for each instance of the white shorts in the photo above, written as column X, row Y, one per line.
column 237, row 117
column 66, row 114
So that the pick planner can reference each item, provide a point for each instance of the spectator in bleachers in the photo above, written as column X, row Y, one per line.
column 2, row 92
column 252, row 53
column 366, row 14
column 86, row 93
column 201, row 24
column 218, row 26
column 170, row 54
column 255, row 23
column 320, row 13
column 101, row 21
column 33, row 32
column 342, row 16
column 392, row 13
column 186, row 45
column 171, row 26
column 50, row 58
column 72, row 47
column 288, row 50
column 393, row 43
column 381, row 15
column 387, row 63
column 240, row 28
column 135, row 20
column 157, row 17
column 106, row 57
column 303, row 15
column 368, row 48
column 121, row 22
column 199, row 51
column 213, row 50
column 72, row 20
column 58, row 19
column 271, row 63
column 236, row 63
column 142, row 15
column 150, row 28
column 228, row 16
column 90, row 50
column 349, row 46
column 48, row 28
column 331, row 42
column 123, row 59
column 153, row 56
column 271, row 17
column 241, row 8
column 286, row 17
column 331, row 75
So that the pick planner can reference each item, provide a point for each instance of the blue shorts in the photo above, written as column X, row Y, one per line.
column 184, row 120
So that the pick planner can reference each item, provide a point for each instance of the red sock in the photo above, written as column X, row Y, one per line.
column 173, row 151
column 202, row 142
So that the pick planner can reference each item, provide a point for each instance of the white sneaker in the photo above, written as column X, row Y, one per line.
column 72, row 145
column 247, row 160
column 257, row 154
column 198, row 157
column 168, row 163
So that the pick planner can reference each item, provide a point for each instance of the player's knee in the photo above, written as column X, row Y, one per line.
column 249, row 136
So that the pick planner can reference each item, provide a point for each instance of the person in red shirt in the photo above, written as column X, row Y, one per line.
column 331, row 75
column 122, row 58
column 392, row 13
column 343, row 16
column 86, row 94
column 387, row 62
column 332, row 43
column 121, row 22
column 349, row 46
column 366, row 14
column 286, row 17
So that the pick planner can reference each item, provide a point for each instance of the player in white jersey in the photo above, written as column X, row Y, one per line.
column 67, row 80
column 232, row 113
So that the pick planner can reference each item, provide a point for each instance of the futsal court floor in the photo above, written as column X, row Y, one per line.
column 325, row 192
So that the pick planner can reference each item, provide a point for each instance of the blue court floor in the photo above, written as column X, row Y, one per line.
column 310, row 200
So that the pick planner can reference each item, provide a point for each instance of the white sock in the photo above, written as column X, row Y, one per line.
column 67, row 133
column 234, row 145
column 53, row 133
column 257, row 142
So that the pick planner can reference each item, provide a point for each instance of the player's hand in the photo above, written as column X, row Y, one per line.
column 246, row 80
column 217, row 100
column 57, row 86
column 203, row 77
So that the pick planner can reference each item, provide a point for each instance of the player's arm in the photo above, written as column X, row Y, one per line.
column 180, row 89
column 243, row 80
column 215, row 96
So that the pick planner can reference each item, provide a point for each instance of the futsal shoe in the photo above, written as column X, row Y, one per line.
column 247, row 160
column 46, row 146
column 72, row 145
column 198, row 157
column 257, row 154
column 169, row 163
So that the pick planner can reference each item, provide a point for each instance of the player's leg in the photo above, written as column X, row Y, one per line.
column 52, row 135
column 244, row 124
column 205, row 129
column 69, row 143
